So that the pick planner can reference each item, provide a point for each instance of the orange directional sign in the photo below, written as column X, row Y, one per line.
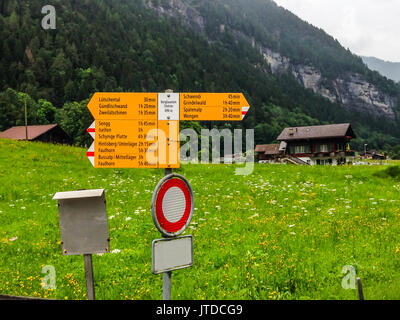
column 213, row 106
column 125, row 143
column 124, row 106
column 141, row 130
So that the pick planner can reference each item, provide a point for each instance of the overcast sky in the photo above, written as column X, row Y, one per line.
column 366, row 27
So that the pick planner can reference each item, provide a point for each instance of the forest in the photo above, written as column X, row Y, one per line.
column 124, row 46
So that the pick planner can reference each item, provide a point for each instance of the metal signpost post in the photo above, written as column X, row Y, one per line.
column 83, row 227
column 168, row 274
column 167, row 285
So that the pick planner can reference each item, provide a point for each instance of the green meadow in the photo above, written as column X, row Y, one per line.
column 283, row 232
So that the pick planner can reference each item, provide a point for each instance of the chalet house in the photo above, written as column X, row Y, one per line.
column 267, row 152
column 372, row 154
column 51, row 133
column 324, row 144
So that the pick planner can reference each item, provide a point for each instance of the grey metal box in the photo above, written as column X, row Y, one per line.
column 83, row 222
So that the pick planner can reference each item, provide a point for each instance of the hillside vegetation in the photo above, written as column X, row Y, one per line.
column 284, row 232
column 388, row 69
column 124, row 45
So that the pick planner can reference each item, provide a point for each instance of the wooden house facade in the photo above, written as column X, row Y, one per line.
column 325, row 144
column 267, row 152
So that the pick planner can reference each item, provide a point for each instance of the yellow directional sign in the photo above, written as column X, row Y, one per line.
column 124, row 106
column 213, row 106
column 125, row 143
column 141, row 130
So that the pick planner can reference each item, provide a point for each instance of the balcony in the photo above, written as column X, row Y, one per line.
column 337, row 154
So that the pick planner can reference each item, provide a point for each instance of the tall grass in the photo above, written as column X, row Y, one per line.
column 284, row 232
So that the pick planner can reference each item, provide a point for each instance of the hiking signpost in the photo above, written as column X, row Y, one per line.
column 141, row 130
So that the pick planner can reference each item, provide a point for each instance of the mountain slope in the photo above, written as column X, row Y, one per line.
column 185, row 45
column 316, row 60
column 391, row 70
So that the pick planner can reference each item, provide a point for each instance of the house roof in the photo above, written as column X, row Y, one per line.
column 317, row 132
column 18, row 133
column 267, row 148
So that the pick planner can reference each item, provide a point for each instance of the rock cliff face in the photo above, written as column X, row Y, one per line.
column 350, row 90
column 180, row 9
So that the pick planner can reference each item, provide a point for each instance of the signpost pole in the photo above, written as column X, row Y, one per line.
column 167, row 275
column 89, row 276
column 167, row 285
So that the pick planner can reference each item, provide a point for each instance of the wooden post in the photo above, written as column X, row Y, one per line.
column 26, row 121
column 89, row 276
column 360, row 289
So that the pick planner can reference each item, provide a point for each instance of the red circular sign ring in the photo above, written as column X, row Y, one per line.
column 166, row 227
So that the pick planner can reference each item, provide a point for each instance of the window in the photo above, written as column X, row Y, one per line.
column 324, row 161
column 323, row 148
column 300, row 149
column 339, row 147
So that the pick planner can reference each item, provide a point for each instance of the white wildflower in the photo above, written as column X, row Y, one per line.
column 253, row 216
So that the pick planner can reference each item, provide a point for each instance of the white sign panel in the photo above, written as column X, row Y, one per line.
column 168, row 106
column 172, row 254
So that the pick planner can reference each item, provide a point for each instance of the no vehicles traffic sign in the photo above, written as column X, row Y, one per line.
column 172, row 205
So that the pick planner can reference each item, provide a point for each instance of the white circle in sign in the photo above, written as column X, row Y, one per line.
column 174, row 204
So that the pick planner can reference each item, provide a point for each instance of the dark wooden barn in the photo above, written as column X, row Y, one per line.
column 267, row 152
column 51, row 133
